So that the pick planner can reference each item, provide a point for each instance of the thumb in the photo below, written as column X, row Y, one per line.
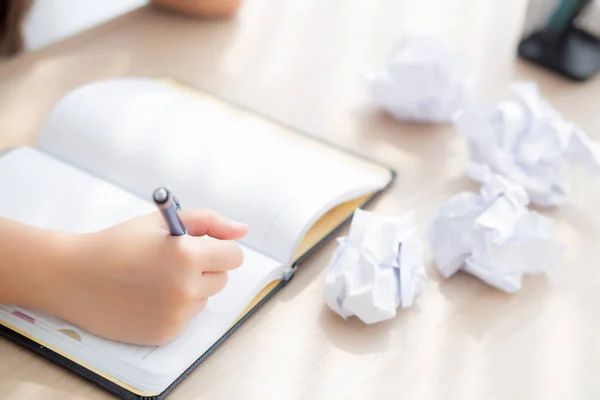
column 208, row 222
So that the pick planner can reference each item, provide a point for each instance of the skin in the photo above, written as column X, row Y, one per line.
column 133, row 282
column 201, row 8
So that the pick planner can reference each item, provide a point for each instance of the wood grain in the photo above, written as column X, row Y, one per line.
column 298, row 61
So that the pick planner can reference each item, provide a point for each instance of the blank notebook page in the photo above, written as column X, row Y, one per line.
column 141, row 133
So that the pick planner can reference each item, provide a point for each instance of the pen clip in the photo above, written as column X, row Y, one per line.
column 176, row 203
column 173, row 198
column 177, row 207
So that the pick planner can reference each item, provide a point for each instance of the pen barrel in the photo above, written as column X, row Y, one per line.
column 173, row 221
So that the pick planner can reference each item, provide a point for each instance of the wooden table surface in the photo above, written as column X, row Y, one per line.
column 298, row 61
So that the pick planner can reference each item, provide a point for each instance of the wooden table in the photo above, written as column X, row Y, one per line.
column 298, row 61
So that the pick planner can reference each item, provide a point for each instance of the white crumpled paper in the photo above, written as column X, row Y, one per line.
column 493, row 236
column 527, row 141
column 423, row 80
column 376, row 268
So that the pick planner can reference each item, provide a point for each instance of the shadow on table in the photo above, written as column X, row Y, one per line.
column 418, row 138
column 353, row 335
column 488, row 308
column 356, row 337
column 396, row 143
column 581, row 219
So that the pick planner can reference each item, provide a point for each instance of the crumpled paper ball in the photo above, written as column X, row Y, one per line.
column 493, row 235
column 423, row 80
column 376, row 268
column 528, row 141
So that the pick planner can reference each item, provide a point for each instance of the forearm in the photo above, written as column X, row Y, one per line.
column 203, row 8
column 31, row 259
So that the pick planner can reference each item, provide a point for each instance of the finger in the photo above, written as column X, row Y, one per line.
column 212, row 283
column 208, row 222
column 198, row 306
column 218, row 255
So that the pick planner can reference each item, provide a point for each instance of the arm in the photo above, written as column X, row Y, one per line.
column 31, row 258
column 201, row 8
column 133, row 282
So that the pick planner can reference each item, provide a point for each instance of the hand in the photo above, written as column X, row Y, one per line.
column 201, row 8
column 135, row 283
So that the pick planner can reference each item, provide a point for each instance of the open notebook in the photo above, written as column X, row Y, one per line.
column 102, row 151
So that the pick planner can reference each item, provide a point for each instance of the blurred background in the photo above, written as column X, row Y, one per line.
column 50, row 21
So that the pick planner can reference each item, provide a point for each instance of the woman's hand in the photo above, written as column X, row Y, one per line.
column 134, row 282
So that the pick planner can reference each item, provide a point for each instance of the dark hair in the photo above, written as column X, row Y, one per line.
column 12, row 14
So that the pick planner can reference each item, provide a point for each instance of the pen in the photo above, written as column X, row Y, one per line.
column 169, row 207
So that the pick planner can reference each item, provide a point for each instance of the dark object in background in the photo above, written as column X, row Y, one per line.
column 12, row 14
column 563, row 47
